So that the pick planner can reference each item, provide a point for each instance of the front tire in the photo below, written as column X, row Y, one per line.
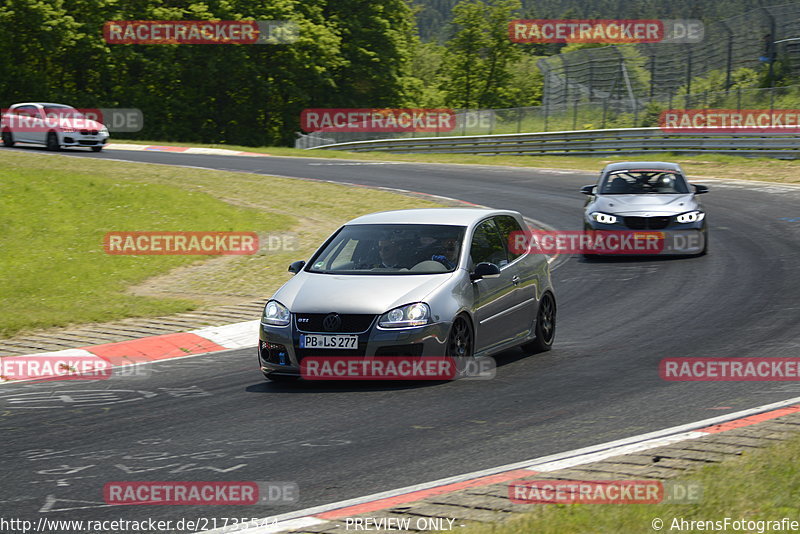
column 52, row 141
column 8, row 139
column 96, row 148
column 461, row 341
column 545, row 326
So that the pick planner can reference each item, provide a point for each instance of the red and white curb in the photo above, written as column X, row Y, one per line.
column 182, row 149
column 381, row 501
column 164, row 347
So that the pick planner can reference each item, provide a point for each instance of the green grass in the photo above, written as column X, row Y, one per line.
column 55, row 212
column 760, row 485
column 696, row 166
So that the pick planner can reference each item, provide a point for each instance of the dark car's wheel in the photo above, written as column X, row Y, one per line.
column 545, row 326
column 280, row 378
column 705, row 244
column 97, row 148
column 8, row 139
column 460, row 342
column 52, row 141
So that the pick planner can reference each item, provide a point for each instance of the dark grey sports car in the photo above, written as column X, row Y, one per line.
column 649, row 196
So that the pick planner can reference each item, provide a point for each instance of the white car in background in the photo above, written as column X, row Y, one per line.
column 51, row 125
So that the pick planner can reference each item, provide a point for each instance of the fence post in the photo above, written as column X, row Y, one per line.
column 689, row 71
column 574, row 114
column 519, row 120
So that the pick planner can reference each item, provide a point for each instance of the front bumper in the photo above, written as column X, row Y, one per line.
column 78, row 139
column 678, row 238
column 279, row 352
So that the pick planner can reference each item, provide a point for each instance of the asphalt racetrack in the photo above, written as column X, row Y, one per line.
column 214, row 417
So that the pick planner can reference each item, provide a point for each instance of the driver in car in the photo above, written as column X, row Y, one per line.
column 448, row 254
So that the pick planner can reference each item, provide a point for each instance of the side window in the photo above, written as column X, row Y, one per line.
column 509, row 230
column 27, row 111
column 487, row 246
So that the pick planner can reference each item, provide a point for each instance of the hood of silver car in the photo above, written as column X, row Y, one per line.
column 645, row 205
column 368, row 294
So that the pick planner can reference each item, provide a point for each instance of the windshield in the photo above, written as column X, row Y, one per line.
column 62, row 112
column 635, row 182
column 391, row 249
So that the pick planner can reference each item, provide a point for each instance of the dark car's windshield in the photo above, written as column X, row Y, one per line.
column 635, row 182
column 391, row 249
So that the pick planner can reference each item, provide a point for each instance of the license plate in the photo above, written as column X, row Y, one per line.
column 648, row 235
column 318, row 341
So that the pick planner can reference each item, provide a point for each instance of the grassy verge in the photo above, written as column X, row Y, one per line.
column 710, row 165
column 55, row 212
column 759, row 485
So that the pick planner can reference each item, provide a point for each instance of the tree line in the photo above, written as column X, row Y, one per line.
column 349, row 54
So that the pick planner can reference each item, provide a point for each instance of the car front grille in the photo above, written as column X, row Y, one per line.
column 646, row 223
column 88, row 132
column 413, row 349
column 319, row 353
column 88, row 143
column 350, row 323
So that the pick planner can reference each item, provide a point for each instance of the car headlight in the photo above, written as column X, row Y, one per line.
column 603, row 218
column 416, row 314
column 103, row 131
column 276, row 314
column 690, row 216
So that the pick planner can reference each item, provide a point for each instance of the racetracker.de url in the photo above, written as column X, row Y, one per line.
column 47, row 525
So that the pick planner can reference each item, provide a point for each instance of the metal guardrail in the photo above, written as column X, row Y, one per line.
column 591, row 142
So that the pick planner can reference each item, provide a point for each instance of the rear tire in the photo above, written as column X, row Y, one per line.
column 545, row 326
column 52, row 141
column 8, row 139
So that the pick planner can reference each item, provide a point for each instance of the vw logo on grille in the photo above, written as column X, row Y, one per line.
column 332, row 322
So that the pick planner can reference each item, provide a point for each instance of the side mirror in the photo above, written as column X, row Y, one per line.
column 484, row 270
column 588, row 189
column 700, row 189
column 297, row 266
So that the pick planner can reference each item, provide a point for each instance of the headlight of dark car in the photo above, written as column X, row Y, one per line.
column 690, row 217
column 416, row 314
column 603, row 218
column 276, row 314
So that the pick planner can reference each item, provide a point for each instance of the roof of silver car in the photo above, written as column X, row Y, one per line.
column 452, row 216
column 622, row 165
column 53, row 104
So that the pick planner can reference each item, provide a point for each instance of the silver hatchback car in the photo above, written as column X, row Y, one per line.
column 411, row 283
